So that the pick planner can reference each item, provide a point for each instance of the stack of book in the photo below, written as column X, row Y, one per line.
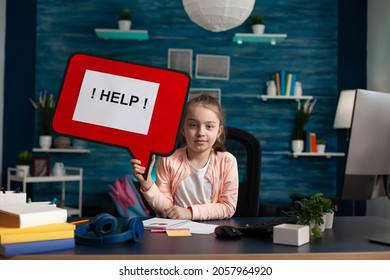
column 310, row 142
column 34, row 228
column 285, row 83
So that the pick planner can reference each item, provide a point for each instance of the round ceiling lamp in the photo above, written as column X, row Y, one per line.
column 218, row 15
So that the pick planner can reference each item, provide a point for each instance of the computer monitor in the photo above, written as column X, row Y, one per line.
column 367, row 168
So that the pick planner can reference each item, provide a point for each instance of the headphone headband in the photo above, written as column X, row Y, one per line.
column 104, row 227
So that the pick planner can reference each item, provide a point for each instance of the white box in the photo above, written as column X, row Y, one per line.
column 11, row 197
column 291, row 234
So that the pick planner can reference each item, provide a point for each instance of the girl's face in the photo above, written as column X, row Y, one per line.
column 201, row 128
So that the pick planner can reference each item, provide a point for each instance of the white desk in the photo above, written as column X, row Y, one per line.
column 72, row 174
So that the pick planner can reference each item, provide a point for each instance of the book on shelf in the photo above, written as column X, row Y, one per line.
column 310, row 142
column 37, row 233
column 285, row 82
column 282, row 82
column 277, row 83
column 31, row 214
column 8, row 250
column 167, row 224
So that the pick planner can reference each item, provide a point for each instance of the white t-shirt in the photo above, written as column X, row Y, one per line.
column 194, row 189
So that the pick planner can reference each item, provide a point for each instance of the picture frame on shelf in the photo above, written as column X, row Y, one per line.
column 180, row 59
column 40, row 166
column 216, row 67
column 215, row 92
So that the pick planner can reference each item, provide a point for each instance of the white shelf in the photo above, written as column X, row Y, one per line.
column 303, row 97
column 240, row 38
column 73, row 174
column 131, row 34
column 55, row 150
column 327, row 155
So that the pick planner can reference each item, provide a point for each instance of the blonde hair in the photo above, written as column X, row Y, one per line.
column 211, row 103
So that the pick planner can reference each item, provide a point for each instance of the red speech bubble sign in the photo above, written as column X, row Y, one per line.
column 122, row 104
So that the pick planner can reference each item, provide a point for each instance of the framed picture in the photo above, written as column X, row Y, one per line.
column 215, row 67
column 40, row 166
column 216, row 92
column 180, row 59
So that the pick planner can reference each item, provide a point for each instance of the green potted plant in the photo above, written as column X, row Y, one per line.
column 44, row 105
column 311, row 211
column 124, row 22
column 321, row 145
column 23, row 162
column 257, row 23
column 302, row 117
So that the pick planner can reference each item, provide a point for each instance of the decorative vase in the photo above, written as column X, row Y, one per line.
column 298, row 89
column 297, row 145
column 258, row 28
column 271, row 88
column 62, row 142
column 45, row 141
column 22, row 170
column 124, row 24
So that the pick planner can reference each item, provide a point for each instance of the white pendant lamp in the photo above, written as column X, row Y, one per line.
column 218, row 15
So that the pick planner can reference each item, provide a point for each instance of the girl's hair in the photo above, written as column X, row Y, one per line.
column 210, row 102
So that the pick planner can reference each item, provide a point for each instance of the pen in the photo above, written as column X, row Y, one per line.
column 79, row 222
column 164, row 230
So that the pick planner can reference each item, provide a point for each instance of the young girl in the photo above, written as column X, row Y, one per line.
column 200, row 180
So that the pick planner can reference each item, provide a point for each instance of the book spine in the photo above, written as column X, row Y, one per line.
column 37, row 236
column 277, row 83
column 38, row 229
column 8, row 250
column 282, row 82
column 313, row 143
column 293, row 80
column 288, row 84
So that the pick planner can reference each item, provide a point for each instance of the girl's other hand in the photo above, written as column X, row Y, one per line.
column 139, row 172
column 177, row 212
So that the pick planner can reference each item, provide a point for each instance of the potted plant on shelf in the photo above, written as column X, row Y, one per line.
column 23, row 163
column 311, row 211
column 257, row 23
column 124, row 22
column 44, row 105
column 321, row 145
column 302, row 117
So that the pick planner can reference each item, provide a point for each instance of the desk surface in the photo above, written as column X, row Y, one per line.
column 347, row 240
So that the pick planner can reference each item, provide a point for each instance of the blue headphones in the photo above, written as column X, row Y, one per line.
column 104, row 226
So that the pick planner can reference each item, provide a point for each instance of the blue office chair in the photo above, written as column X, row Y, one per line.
column 247, row 149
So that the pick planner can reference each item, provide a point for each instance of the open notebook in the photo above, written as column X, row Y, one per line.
column 165, row 223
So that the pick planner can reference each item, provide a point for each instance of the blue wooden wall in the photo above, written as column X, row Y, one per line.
column 310, row 50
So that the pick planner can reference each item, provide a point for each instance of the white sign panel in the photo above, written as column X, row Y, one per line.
column 115, row 101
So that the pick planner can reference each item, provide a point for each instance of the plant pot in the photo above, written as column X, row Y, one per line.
column 329, row 220
column 22, row 170
column 124, row 24
column 45, row 141
column 297, row 146
column 258, row 28
column 321, row 148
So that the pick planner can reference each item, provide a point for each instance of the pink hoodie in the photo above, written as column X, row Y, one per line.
column 222, row 174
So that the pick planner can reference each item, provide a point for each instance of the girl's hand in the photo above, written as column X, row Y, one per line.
column 177, row 212
column 139, row 171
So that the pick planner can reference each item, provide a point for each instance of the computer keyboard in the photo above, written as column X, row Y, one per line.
column 265, row 229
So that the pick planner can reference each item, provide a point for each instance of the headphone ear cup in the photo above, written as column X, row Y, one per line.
column 136, row 226
column 104, row 224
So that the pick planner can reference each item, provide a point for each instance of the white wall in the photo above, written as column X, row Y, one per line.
column 378, row 72
column 2, row 61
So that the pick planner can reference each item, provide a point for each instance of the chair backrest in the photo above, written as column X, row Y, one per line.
column 247, row 149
